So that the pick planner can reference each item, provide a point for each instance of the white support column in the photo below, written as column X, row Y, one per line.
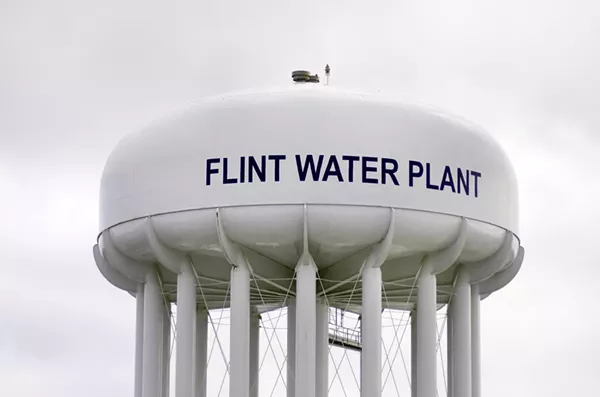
column 161, row 348
column 153, row 317
column 414, row 336
column 475, row 341
column 254, row 354
column 291, row 347
column 239, row 356
column 166, row 350
column 306, row 290
column 139, row 339
column 186, row 332
column 461, row 334
column 484, row 271
column 361, row 369
column 433, row 264
column 450, row 347
column 427, row 340
column 371, row 333
column 201, row 350
column 322, row 350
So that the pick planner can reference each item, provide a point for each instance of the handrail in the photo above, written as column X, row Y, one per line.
column 341, row 333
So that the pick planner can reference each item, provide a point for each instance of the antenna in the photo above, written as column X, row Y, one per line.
column 327, row 70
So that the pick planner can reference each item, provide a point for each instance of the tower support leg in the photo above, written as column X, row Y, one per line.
column 449, row 346
column 139, row 339
column 475, row 341
column 461, row 335
column 427, row 340
column 322, row 366
column 153, row 319
column 239, row 367
column 201, row 350
column 371, row 333
column 291, row 347
column 414, row 336
column 166, row 349
column 186, row 332
column 306, row 285
column 254, row 353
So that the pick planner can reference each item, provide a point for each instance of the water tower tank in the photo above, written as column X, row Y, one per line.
column 313, row 198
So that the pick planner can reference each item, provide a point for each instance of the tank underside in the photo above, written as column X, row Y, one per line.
column 272, row 239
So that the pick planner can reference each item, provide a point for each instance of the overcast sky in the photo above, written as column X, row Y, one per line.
column 76, row 76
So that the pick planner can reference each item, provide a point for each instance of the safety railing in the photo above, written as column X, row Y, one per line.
column 341, row 334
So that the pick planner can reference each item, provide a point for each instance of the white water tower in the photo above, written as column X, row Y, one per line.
column 324, row 202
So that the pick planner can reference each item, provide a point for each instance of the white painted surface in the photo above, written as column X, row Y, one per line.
column 166, row 350
column 427, row 338
column 163, row 168
column 201, row 351
column 139, row 339
column 185, row 370
column 322, row 350
column 305, row 330
column 153, row 310
column 450, row 347
column 371, row 333
column 254, row 354
column 461, row 336
column 413, row 353
column 239, row 341
column 158, row 209
column 291, row 348
column 475, row 341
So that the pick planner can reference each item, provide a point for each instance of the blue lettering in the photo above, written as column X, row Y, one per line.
column 387, row 171
column 476, row 175
column 210, row 170
column 447, row 179
column 226, row 179
column 242, row 169
column 261, row 172
column 277, row 159
column 333, row 169
column 428, row 178
column 415, row 171
column 314, row 168
column 463, row 181
column 303, row 169
column 351, row 160
column 366, row 168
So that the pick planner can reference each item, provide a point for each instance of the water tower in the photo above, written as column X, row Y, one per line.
column 314, row 199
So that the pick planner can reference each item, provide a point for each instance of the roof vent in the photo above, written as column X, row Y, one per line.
column 304, row 76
